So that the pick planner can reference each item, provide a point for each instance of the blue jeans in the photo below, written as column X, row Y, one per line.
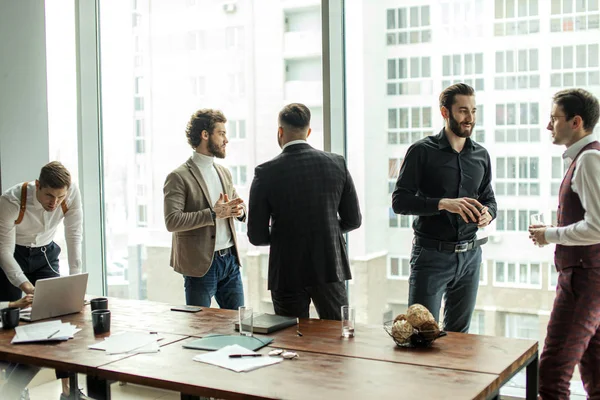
column 454, row 276
column 223, row 281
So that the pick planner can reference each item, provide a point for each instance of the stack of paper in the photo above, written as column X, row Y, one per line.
column 44, row 332
column 221, row 358
column 129, row 342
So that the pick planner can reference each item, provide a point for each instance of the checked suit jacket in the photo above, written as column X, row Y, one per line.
column 301, row 203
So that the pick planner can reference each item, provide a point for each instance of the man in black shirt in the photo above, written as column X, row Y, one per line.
column 445, row 180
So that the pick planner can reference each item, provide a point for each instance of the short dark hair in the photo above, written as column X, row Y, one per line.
column 204, row 119
column 579, row 102
column 295, row 115
column 55, row 176
column 448, row 95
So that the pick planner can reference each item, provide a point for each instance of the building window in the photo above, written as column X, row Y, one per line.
column 483, row 273
column 409, row 76
column 477, row 325
column 558, row 172
column 574, row 15
column 142, row 215
column 139, row 85
column 517, row 176
column 522, row 326
column 575, row 66
column 517, row 123
column 514, row 67
column 238, row 175
column 518, row 274
column 467, row 68
column 138, row 103
column 234, row 37
column 552, row 277
column 236, row 84
column 195, row 40
column 406, row 221
column 392, row 218
column 393, row 170
column 240, row 227
column 462, row 19
column 140, row 146
column 516, row 17
column 398, row 268
column 198, row 85
column 407, row 125
column 136, row 19
column 513, row 220
column 408, row 25
column 236, row 129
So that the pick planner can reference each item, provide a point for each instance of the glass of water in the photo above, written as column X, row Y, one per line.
column 537, row 219
column 348, row 314
column 246, row 320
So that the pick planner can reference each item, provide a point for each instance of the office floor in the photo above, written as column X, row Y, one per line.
column 45, row 386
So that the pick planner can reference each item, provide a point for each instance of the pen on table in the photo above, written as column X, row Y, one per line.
column 50, row 336
column 244, row 355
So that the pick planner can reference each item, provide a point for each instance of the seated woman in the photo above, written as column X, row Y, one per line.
column 18, row 376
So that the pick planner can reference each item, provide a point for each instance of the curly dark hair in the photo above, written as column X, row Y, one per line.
column 579, row 102
column 204, row 119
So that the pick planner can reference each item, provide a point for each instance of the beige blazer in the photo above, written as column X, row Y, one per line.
column 188, row 216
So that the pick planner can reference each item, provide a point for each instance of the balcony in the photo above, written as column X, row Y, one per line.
column 309, row 93
column 301, row 44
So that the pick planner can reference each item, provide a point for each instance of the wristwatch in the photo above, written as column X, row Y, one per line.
column 213, row 214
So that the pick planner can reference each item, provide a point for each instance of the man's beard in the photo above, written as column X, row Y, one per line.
column 456, row 128
column 214, row 149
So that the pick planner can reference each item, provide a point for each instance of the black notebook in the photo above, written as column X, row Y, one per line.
column 267, row 323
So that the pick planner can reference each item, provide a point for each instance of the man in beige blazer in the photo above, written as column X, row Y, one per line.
column 199, row 212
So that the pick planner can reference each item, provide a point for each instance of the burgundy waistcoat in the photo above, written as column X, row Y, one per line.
column 570, row 211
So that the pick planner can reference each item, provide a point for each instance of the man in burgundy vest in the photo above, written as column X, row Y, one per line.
column 573, row 331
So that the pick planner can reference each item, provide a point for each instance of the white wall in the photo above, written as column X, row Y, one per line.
column 23, row 99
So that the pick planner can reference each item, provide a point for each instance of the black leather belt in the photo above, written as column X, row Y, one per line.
column 223, row 252
column 451, row 247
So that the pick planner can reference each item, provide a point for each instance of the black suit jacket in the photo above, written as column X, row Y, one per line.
column 310, row 200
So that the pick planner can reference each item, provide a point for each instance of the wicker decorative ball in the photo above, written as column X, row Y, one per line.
column 429, row 330
column 402, row 330
column 417, row 315
column 400, row 317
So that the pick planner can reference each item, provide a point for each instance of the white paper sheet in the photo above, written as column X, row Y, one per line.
column 152, row 347
column 129, row 342
column 44, row 331
column 221, row 359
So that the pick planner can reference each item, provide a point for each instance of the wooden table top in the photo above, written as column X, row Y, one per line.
column 313, row 375
column 72, row 354
column 474, row 353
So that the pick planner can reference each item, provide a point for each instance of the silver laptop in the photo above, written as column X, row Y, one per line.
column 54, row 297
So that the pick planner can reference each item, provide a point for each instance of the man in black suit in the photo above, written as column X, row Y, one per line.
column 310, row 200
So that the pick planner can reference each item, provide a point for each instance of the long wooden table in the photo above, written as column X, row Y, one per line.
column 458, row 366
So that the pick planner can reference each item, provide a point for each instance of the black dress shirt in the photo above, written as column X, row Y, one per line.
column 433, row 170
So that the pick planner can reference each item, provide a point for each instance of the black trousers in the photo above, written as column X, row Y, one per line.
column 328, row 299
column 35, row 266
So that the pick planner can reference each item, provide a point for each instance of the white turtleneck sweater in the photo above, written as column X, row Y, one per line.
column 206, row 165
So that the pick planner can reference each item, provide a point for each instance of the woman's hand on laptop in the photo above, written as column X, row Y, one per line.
column 23, row 302
column 27, row 287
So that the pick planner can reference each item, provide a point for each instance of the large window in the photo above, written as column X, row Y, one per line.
column 516, row 63
column 161, row 61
